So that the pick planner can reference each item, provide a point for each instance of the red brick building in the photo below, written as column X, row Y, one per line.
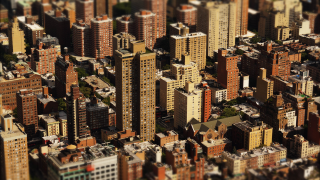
column 146, row 27
column 313, row 128
column 65, row 76
column 206, row 100
column 213, row 148
column 314, row 19
column 85, row 10
column 276, row 60
column 12, row 82
column 159, row 7
column 197, row 159
column 187, row 15
column 166, row 137
column 46, row 104
column 27, row 111
column 228, row 73
column 81, row 38
column 45, row 55
column 125, row 24
column 102, row 32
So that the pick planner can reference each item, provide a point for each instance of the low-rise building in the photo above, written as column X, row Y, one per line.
column 46, row 103
column 146, row 151
column 166, row 137
column 130, row 165
column 96, row 83
column 48, row 79
column 251, row 113
column 303, row 148
column 50, row 124
column 310, row 39
column 98, row 114
column 265, row 156
column 213, row 148
column 62, row 118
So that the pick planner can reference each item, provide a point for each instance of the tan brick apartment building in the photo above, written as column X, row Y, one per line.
column 14, row 162
column 187, row 14
column 10, row 83
column 16, row 38
column 135, row 84
column 85, row 10
column 27, row 111
column 32, row 30
column 122, row 41
column 81, row 38
column 146, row 27
column 193, row 44
column 228, row 72
column 242, row 7
column 101, row 36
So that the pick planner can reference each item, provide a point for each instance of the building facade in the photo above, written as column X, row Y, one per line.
column 264, row 88
column 85, row 10
column 125, row 24
column 16, row 38
column 187, row 14
column 146, row 27
column 81, row 38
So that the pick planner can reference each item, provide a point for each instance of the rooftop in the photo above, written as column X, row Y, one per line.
column 33, row 25
column 44, row 99
column 96, row 82
column 211, row 142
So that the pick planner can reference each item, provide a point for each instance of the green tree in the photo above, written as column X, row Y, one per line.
column 121, row 9
column 61, row 104
column 107, row 80
column 239, row 52
column 72, row 59
column 15, row 113
column 304, row 56
column 8, row 57
column 81, row 72
column 228, row 112
column 279, row 42
column 166, row 67
column 86, row 91
column 106, row 100
column 234, row 151
column 160, row 129
column 255, row 39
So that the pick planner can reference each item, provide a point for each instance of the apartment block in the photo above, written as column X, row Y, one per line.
column 313, row 18
column 81, row 38
column 159, row 7
column 125, row 24
column 69, row 11
column 50, row 124
column 8, row 86
column 65, row 75
column 62, row 118
column 249, row 136
column 122, row 41
column 242, row 7
column 189, row 43
column 23, row 8
column 218, row 94
column 251, row 64
column 278, row 115
column 275, row 60
column 129, row 165
column 240, row 162
column 135, row 84
column 188, row 105
column 206, row 101
column 76, row 115
column 218, row 21
column 14, row 163
column 46, row 103
column 313, row 131
column 98, row 114
column 146, row 27
column 187, row 14
column 166, row 137
column 99, row 162
column 31, row 29
column 228, row 73
column 16, row 37
column 85, row 10
column 27, row 111
column 305, row 82
column 58, row 25
column 102, row 32
column 45, row 55
column 214, row 148
column 264, row 88
column 176, row 28
column 181, row 72
column 310, row 39
column 299, row 27
column 303, row 148
column 43, row 6
column 298, row 103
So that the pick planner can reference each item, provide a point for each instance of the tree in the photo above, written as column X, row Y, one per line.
column 81, row 73
column 72, row 59
column 228, row 112
column 86, row 91
column 239, row 52
column 160, row 129
column 121, row 9
column 106, row 100
column 15, row 113
column 107, row 80
column 166, row 67
column 279, row 42
column 304, row 56
column 61, row 105
column 255, row 39
column 234, row 151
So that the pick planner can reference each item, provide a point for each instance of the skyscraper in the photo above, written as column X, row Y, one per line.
column 228, row 72
column 218, row 21
column 193, row 44
column 13, row 150
column 135, row 84
column 65, row 75
column 81, row 38
column 102, row 32
column 125, row 24
column 27, row 111
column 85, row 10
column 242, row 7
column 159, row 7
column 16, row 38
column 76, row 115
column 187, row 15
column 146, row 27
